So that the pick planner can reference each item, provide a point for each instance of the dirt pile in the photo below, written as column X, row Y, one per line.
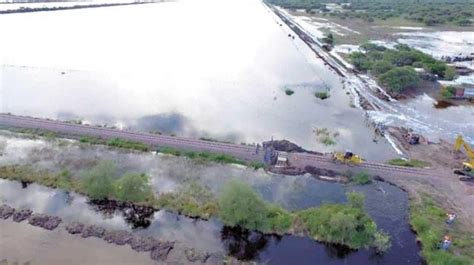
column 21, row 215
column 44, row 221
column 6, row 211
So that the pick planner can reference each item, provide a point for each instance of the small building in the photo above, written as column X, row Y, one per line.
column 465, row 92
column 282, row 160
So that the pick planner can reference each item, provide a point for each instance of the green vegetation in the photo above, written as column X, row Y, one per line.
column 115, row 142
column 395, row 67
column 132, row 145
column 325, row 137
column 98, row 181
column 121, row 143
column 361, row 178
column 35, row 132
column 428, row 220
column 214, row 140
column 133, row 187
column 28, row 174
column 289, row 92
column 191, row 200
column 343, row 224
column 459, row 13
column 238, row 204
column 206, row 156
column 322, row 95
column 408, row 163
column 448, row 92
column 241, row 206
column 399, row 79
column 328, row 39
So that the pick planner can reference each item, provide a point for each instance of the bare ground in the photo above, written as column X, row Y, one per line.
column 446, row 189
column 377, row 30
column 22, row 243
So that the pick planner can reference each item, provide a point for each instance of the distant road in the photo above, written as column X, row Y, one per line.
column 245, row 152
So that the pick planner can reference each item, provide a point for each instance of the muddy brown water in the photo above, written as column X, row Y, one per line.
column 442, row 104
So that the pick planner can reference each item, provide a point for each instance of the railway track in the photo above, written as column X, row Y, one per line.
column 239, row 151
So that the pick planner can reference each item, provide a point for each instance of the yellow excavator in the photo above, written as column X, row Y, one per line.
column 347, row 158
column 467, row 170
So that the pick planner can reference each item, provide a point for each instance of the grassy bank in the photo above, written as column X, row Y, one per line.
column 428, row 220
column 237, row 205
column 408, row 163
column 139, row 146
column 211, row 157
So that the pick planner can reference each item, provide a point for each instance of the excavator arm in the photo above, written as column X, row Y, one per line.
column 468, row 167
column 469, row 152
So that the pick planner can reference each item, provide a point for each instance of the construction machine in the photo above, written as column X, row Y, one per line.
column 467, row 170
column 346, row 158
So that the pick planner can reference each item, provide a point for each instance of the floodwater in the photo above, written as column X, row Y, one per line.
column 192, row 68
column 419, row 113
column 14, row 6
column 385, row 203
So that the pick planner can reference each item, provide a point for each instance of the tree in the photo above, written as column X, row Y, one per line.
column 450, row 73
column 381, row 241
column 329, row 39
column 356, row 199
column 381, row 67
column 241, row 206
column 133, row 187
column 98, row 182
column 399, row 79
column 369, row 47
column 360, row 61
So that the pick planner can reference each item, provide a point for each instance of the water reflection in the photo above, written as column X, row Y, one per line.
column 219, row 87
column 242, row 243
column 385, row 203
column 136, row 216
column 167, row 123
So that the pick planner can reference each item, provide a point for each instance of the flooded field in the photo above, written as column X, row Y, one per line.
column 420, row 113
column 385, row 203
column 195, row 78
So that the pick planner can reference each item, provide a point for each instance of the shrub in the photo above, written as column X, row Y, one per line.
column 133, row 187
column 361, row 178
column 121, row 143
column 448, row 92
column 381, row 67
column 279, row 220
column 340, row 224
column 321, row 95
column 356, row 199
column 65, row 180
column 328, row 39
column 289, row 92
column 98, row 182
column 241, row 206
column 450, row 73
column 399, row 79
column 360, row 61
column 381, row 241
column 408, row 163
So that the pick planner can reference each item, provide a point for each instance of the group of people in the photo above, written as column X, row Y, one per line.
column 447, row 241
